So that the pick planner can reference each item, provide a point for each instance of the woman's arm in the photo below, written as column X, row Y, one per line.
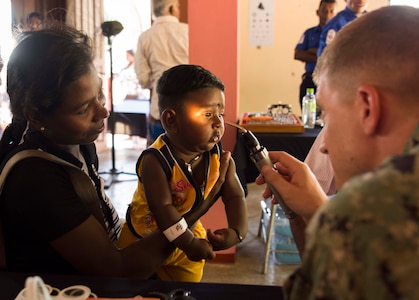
column 160, row 201
column 90, row 251
column 87, row 247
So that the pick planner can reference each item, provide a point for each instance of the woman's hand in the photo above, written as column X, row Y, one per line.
column 198, row 249
column 223, row 238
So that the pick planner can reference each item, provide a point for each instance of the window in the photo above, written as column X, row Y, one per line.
column 414, row 3
column 135, row 17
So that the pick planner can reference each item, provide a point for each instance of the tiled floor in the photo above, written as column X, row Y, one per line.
column 249, row 255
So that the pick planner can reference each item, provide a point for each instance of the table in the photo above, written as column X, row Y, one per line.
column 296, row 144
column 12, row 283
column 133, row 114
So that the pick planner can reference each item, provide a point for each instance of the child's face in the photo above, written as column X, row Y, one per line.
column 34, row 23
column 201, row 121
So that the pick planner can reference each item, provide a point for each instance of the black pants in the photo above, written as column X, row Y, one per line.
column 155, row 128
column 307, row 82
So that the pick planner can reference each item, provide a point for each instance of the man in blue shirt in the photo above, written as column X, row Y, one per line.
column 306, row 49
column 353, row 10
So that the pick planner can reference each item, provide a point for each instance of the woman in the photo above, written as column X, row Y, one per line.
column 58, row 107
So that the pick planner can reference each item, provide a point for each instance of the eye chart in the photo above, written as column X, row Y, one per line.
column 261, row 23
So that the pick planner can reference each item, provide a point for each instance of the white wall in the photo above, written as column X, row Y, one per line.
column 270, row 74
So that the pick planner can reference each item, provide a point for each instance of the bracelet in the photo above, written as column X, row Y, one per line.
column 238, row 234
column 177, row 229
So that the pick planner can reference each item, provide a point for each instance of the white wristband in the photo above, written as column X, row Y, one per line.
column 177, row 229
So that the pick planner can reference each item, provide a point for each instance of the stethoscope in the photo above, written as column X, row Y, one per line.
column 36, row 289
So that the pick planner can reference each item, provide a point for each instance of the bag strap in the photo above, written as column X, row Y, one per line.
column 80, row 180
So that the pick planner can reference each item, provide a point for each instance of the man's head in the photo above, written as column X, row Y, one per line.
column 358, row 7
column 166, row 8
column 34, row 21
column 367, row 88
column 326, row 11
column 130, row 55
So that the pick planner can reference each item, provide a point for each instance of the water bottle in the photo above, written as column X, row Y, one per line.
column 309, row 109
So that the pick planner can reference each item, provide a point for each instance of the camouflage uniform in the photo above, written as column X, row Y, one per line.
column 364, row 244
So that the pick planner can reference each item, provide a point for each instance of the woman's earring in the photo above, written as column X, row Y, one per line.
column 42, row 128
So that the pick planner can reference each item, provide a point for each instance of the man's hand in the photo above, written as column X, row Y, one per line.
column 295, row 182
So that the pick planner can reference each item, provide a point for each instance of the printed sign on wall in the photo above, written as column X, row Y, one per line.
column 261, row 22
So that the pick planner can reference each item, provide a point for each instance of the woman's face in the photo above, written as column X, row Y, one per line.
column 80, row 119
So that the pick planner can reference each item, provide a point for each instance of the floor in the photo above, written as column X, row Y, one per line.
column 247, row 269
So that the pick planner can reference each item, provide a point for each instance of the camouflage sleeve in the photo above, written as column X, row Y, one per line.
column 364, row 244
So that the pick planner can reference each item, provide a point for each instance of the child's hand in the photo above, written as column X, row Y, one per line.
column 199, row 249
column 222, row 238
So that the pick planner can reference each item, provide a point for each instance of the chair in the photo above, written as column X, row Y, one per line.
column 286, row 248
column 267, row 232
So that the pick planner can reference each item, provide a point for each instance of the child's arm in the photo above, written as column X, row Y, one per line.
column 236, row 210
column 215, row 193
column 167, row 217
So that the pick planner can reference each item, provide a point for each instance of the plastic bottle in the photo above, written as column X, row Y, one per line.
column 309, row 109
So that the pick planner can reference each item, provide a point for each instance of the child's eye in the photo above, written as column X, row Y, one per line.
column 208, row 114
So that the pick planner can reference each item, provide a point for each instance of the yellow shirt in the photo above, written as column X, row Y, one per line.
column 186, row 194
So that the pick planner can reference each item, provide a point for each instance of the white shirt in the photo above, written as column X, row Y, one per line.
column 164, row 45
column 321, row 166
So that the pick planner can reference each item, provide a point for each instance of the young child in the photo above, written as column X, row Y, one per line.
column 178, row 171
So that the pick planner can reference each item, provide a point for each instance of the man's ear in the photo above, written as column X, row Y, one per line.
column 171, row 9
column 169, row 120
column 369, row 102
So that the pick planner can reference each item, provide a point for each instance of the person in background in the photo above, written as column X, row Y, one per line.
column 130, row 55
column 58, row 108
column 306, row 49
column 1, row 65
column 126, row 84
column 179, row 170
column 353, row 9
column 164, row 45
column 34, row 21
column 1, row 68
column 362, row 244
column 321, row 166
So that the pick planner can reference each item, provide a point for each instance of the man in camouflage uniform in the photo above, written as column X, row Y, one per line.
column 364, row 243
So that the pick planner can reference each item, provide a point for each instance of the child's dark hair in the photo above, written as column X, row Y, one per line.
column 326, row 1
column 41, row 67
column 178, row 81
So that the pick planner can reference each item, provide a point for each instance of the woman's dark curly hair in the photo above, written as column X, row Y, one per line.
column 42, row 65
